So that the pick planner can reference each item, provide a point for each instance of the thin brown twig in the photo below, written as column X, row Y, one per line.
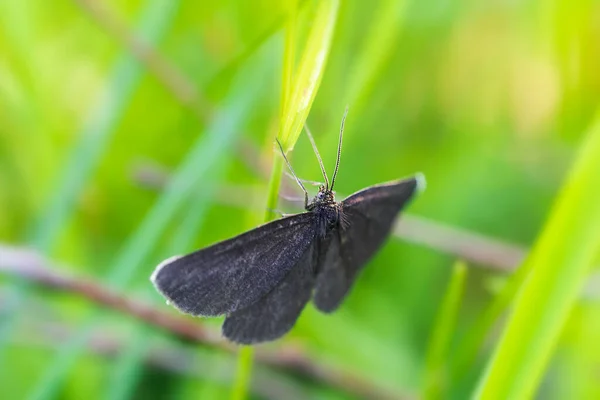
column 27, row 264
column 469, row 246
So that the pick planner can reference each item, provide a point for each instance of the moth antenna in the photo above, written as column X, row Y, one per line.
column 293, row 173
column 339, row 151
column 314, row 146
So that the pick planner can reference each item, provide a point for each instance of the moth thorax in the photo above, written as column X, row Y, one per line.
column 327, row 216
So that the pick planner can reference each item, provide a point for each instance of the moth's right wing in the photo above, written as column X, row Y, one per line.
column 367, row 220
column 235, row 273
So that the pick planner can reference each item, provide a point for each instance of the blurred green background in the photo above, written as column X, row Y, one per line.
column 102, row 102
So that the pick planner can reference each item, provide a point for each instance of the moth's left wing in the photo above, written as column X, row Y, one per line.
column 235, row 273
column 276, row 313
column 367, row 219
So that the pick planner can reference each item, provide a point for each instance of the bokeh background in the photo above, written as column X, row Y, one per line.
column 134, row 130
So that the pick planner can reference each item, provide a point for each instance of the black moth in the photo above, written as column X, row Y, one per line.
column 262, row 279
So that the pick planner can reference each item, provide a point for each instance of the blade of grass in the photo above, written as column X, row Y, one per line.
column 207, row 150
column 436, row 372
column 469, row 347
column 309, row 74
column 296, row 103
column 243, row 373
column 560, row 262
column 85, row 156
column 298, row 98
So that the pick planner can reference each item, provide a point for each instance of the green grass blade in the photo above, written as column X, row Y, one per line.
column 309, row 74
column 243, row 373
column 560, row 262
column 296, row 103
column 436, row 368
column 207, row 150
column 473, row 340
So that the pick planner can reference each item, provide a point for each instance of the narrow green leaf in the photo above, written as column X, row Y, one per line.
column 243, row 373
column 309, row 74
column 560, row 262
column 473, row 340
column 436, row 368
column 298, row 98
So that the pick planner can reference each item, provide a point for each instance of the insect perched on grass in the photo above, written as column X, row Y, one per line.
column 262, row 279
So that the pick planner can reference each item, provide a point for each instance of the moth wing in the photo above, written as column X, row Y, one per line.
column 367, row 219
column 276, row 313
column 235, row 273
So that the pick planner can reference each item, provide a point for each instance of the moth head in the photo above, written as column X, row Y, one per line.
column 324, row 195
